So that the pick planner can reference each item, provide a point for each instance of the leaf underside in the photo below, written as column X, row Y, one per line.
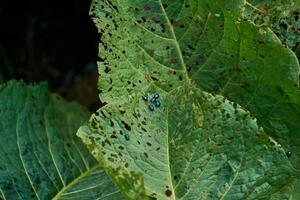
column 194, row 145
column 41, row 157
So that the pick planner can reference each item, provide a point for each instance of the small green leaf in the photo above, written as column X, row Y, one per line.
column 41, row 157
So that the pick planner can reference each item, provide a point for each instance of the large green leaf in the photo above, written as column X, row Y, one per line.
column 252, row 68
column 41, row 157
column 195, row 145
column 224, row 55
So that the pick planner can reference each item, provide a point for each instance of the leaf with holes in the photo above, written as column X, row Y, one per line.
column 209, row 43
column 193, row 145
column 251, row 67
column 41, row 157
column 282, row 16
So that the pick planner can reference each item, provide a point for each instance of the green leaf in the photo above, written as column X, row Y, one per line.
column 222, row 53
column 282, row 16
column 194, row 145
column 41, row 157
column 252, row 68
column 143, row 42
column 155, row 46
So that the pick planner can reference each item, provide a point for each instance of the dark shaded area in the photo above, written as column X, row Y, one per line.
column 53, row 41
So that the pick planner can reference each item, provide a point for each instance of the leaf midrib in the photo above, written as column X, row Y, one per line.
column 76, row 180
column 176, row 42
column 19, row 151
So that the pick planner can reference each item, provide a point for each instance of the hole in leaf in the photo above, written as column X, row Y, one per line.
column 113, row 136
column 283, row 25
column 146, row 155
column 149, row 144
column 168, row 193
column 153, row 78
column 126, row 126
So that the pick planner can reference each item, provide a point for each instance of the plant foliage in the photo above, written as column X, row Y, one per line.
column 41, row 157
column 201, row 102
column 282, row 16
column 195, row 145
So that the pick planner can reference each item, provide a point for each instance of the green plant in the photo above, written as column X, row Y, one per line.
column 208, row 65
column 41, row 157
column 283, row 17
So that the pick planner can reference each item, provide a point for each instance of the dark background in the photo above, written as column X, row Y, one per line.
column 53, row 41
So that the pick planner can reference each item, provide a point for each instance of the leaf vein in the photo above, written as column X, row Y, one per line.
column 50, row 151
column 175, row 41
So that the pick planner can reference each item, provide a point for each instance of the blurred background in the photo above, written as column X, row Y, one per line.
column 53, row 41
